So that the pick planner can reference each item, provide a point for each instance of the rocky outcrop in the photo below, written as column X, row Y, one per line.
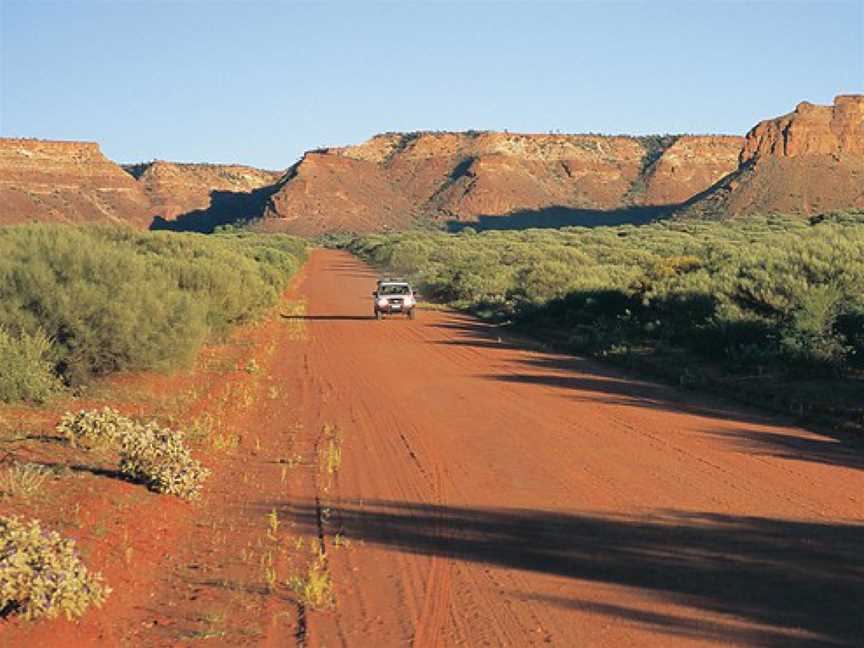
column 690, row 165
column 325, row 193
column 68, row 182
column 836, row 131
column 808, row 161
column 397, row 178
column 176, row 189
column 75, row 182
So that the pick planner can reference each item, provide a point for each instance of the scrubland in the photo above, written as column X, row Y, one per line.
column 79, row 302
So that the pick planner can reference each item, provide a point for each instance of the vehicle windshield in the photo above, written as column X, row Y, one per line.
column 394, row 289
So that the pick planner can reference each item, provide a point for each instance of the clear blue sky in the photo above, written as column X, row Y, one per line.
column 260, row 82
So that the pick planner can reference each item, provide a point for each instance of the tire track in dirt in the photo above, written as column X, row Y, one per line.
column 433, row 614
column 429, row 610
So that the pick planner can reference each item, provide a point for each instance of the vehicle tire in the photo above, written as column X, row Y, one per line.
column 411, row 314
column 378, row 315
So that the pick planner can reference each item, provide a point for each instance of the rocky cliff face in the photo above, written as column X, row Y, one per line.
column 66, row 181
column 75, row 182
column 325, row 193
column 394, row 179
column 808, row 161
column 811, row 130
column 690, row 165
column 175, row 189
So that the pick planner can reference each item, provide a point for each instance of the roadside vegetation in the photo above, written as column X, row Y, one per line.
column 148, row 453
column 79, row 302
column 41, row 574
column 777, row 299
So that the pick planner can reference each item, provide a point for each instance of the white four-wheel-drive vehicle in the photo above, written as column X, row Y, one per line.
column 394, row 296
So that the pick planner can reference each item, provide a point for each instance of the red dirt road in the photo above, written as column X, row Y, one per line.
column 496, row 496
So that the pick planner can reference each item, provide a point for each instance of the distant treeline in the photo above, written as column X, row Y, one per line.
column 77, row 302
column 778, row 292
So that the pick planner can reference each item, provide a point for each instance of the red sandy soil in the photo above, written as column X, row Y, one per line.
column 487, row 495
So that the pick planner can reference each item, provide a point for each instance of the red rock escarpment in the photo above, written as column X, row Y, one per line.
column 326, row 193
column 689, row 166
column 810, row 130
column 394, row 179
column 68, row 182
column 808, row 161
column 179, row 188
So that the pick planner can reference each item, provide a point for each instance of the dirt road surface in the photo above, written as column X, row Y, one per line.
column 495, row 496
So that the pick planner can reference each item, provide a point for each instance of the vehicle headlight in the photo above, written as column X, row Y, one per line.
column 382, row 302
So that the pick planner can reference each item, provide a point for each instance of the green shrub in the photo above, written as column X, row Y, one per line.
column 811, row 337
column 850, row 325
column 114, row 299
column 27, row 371
column 41, row 574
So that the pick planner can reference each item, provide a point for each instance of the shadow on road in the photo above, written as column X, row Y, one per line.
column 600, row 382
column 839, row 449
column 832, row 447
column 801, row 583
column 590, row 381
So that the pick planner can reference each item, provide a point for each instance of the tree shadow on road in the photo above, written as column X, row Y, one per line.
column 588, row 380
column 757, row 433
column 802, row 583
column 601, row 382
column 839, row 449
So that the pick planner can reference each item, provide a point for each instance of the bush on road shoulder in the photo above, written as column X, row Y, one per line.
column 41, row 575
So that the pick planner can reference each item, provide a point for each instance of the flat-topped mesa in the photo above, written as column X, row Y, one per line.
column 43, row 161
column 66, row 181
column 177, row 188
column 836, row 130
column 395, row 178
